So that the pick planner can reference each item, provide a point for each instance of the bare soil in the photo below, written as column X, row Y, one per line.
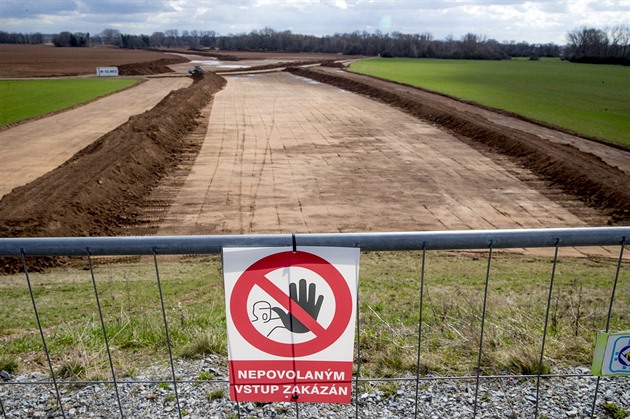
column 33, row 148
column 95, row 189
column 98, row 190
column 286, row 154
column 579, row 168
column 279, row 153
column 24, row 61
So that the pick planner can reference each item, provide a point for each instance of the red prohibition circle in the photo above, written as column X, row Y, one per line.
column 255, row 275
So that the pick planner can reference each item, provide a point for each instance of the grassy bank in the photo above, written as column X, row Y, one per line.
column 389, row 312
column 23, row 99
column 585, row 98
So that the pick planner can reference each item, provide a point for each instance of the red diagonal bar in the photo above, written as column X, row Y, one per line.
column 293, row 308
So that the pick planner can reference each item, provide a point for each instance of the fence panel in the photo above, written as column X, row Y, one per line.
column 428, row 344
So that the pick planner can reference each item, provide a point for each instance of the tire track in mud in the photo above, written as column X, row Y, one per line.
column 266, row 152
column 214, row 173
column 240, row 155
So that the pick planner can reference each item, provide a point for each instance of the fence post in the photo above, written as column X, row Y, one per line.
column 100, row 313
column 610, row 307
column 168, row 339
column 542, row 349
column 483, row 323
column 41, row 333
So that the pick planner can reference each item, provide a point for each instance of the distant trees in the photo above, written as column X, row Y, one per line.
column 21, row 38
column 67, row 39
column 584, row 43
column 396, row 44
column 171, row 39
column 63, row 39
column 592, row 45
column 108, row 37
column 523, row 49
column 135, row 41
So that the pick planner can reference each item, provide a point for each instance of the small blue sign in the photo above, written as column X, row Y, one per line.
column 612, row 354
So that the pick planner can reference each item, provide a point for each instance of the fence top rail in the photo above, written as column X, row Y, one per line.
column 387, row 241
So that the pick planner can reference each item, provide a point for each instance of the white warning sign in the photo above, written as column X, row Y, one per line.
column 290, row 322
column 107, row 71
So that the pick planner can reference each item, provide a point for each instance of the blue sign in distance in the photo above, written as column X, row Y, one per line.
column 612, row 354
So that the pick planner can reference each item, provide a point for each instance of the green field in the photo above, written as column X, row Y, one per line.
column 593, row 100
column 23, row 99
column 194, row 302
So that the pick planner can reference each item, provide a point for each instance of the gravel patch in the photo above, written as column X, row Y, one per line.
column 148, row 394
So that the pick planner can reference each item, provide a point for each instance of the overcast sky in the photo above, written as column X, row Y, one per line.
column 534, row 21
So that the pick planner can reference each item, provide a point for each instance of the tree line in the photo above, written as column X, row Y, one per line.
column 67, row 39
column 591, row 45
column 21, row 38
column 396, row 44
column 63, row 39
column 610, row 45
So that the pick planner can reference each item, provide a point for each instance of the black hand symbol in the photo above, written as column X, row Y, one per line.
column 304, row 300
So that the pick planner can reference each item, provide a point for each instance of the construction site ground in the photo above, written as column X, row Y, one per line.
column 32, row 149
column 281, row 153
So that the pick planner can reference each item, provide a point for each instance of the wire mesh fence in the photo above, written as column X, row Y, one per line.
column 464, row 326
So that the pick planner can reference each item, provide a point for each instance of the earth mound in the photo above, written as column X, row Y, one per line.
column 151, row 67
column 99, row 189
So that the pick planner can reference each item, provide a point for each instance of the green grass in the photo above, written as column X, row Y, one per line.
column 216, row 394
column 23, row 99
column 589, row 99
column 389, row 313
column 615, row 411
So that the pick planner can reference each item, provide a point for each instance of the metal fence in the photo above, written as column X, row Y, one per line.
column 422, row 242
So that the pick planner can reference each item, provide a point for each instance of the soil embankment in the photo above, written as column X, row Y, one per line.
column 98, row 190
column 151, row 67
column 582, row 174
column 34, row 147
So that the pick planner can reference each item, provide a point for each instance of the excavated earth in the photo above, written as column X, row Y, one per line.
column 103, row 188
column 583, row 174
column 99, row 189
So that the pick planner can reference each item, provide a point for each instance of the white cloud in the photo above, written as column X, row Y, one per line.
column 531, row 20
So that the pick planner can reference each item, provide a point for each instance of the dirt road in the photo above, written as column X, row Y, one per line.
column 286, row 154
column 615, row 157
column 32, row 149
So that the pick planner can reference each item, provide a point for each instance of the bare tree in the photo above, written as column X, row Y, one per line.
column 599, row 46
column 588, row 42
column 110, row 37
column 619, row 37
